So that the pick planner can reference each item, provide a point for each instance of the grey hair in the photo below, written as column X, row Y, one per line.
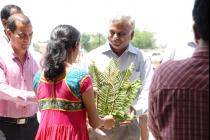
column 122, row 18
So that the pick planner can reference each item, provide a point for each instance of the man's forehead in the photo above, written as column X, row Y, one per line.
column 120, row 25
column 21, row 26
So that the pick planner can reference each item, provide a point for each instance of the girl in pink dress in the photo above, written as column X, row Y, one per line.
column 65, row 92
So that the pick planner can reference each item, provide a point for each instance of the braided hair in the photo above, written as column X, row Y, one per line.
column 63, row 39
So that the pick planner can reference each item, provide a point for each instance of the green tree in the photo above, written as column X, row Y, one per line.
column 97, row 40
column 85, row 40
column 144, row 40
column 91, row 41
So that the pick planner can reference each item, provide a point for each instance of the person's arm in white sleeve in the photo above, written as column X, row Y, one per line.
column 141, row 102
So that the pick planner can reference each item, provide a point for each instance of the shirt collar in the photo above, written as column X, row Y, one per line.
column 14, row 56
column 5, row 37
column 201, row 52
column 130, row 49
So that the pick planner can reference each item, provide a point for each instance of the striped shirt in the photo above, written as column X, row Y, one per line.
column 179, row 99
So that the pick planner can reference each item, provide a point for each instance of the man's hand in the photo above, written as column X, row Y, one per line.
column 132, row 112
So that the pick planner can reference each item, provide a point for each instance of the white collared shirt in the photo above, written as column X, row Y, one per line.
column 143, row 69
column 4, row 41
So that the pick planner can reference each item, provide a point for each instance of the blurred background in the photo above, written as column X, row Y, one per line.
column 159, row 23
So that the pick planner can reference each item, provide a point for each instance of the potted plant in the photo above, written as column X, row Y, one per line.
column 114, row 92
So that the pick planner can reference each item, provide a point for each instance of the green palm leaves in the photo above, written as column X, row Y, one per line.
column 114, row 92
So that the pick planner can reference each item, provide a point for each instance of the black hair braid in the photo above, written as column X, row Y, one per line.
column 54, row 59
column 63, row 39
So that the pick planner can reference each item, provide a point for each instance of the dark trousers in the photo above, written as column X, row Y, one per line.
column 12, row 131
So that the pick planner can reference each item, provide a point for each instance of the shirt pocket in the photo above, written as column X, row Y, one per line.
column 135, row 76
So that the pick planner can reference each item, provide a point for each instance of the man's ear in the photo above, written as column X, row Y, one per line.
column 4, row 22
column 9, row 33
column 132, row 35
column 196, row 33
column 77, row 43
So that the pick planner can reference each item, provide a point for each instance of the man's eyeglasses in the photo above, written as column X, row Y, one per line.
column 23, row 35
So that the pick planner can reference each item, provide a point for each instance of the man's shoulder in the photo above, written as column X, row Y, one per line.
column 137, row 51
column 172, row 64
column 175, row 67
column 5, row 51
column 140, row 54
column 166, row 75
column 4, row 42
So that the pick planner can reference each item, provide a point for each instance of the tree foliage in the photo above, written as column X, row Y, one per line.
column 85, row 40
column 92, row 41
column 144, row 40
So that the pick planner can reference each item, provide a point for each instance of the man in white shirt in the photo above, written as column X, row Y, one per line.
column 121, row 32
